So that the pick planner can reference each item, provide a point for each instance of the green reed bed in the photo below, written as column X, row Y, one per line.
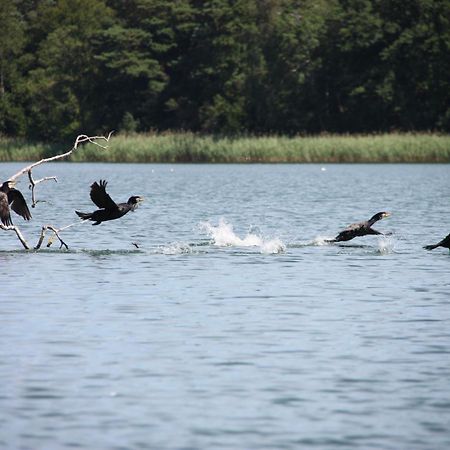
column 190, row 147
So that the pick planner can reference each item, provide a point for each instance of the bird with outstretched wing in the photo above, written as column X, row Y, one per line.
column 11, row 198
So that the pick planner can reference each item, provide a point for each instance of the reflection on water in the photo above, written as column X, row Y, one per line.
column 234, row 324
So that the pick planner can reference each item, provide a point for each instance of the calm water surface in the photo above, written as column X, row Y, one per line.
column 233, row 325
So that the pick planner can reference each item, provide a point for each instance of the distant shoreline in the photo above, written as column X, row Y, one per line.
column 186, row 147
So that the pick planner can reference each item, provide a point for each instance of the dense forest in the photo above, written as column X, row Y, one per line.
column 223, row 66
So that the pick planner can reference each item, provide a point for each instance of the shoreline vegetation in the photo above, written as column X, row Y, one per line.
column 187, row 147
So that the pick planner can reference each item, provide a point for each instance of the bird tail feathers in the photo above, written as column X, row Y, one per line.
column 430, row 247
column 84, row 216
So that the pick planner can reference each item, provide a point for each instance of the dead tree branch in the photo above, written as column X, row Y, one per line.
column 18, row 233
column 81, row 139
column 56, row 232
column 50, row 241
column 100, row 141
column 33, row 184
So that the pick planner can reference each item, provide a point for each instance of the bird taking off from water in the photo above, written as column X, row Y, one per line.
column 360, row 228
column 109, row 209
column 444, row 243
column 9, row 196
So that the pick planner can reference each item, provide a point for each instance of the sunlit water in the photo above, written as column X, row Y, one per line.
column 232, row 324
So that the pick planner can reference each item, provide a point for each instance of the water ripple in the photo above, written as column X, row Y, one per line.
column 250, row 333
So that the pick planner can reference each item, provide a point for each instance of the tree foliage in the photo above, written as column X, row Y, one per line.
column 223, row 66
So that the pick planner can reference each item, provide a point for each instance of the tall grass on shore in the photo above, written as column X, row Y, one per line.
column 181, row 147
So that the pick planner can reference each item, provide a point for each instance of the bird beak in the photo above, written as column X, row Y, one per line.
column 388, row 214
column 140, row 199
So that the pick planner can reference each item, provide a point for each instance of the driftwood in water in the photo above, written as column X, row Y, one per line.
column 100, row 141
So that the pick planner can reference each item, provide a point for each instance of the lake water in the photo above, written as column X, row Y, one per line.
column 233, row 325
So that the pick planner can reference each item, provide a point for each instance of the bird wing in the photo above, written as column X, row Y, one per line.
column 5, row 216
column 350, row 232
column 100, row 197
column 18, row 203
column 445, row 242
column 356, row 226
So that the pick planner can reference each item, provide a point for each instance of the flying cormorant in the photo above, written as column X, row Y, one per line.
column 109, row 209
column 360, row 229
column 444, row 243
column 11, row 196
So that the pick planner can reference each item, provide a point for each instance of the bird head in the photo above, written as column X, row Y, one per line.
column 8, row 184
column 135, row 200
column 379, row 216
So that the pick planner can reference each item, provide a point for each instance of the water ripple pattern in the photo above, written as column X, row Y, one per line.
column 217, row 316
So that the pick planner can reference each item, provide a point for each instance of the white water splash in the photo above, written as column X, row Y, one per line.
column 386, row 244
column 322, row 240
column 223, row 235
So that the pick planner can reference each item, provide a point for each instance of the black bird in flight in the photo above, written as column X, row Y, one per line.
column 444, row 243
column 9, row 196
column 360, row 228
column 110, row 210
